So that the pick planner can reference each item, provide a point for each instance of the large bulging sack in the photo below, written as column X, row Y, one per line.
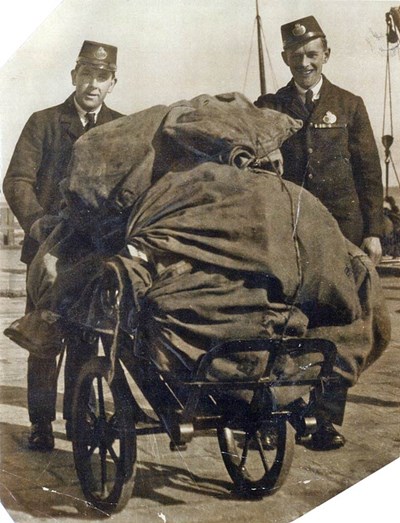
column 112, row 165
column 229, row 256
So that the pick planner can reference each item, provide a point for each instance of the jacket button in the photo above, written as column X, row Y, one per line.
column 310, row 150
column 310, row 176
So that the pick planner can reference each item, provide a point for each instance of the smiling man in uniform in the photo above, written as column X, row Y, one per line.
column 31, row 187
column 334, row 156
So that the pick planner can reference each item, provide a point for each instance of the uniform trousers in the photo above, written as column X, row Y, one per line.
column 42, row 377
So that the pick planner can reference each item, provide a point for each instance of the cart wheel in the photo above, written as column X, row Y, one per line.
column 103, row 438
column 254, row 469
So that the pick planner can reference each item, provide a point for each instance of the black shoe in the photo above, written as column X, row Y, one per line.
column 326, row 438
column 41, row 437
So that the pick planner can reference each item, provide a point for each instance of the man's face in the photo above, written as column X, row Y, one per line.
column 306, row 62
column 92, row 86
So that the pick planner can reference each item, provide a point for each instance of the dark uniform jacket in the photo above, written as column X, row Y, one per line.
column 39, row 163
column 334, row 156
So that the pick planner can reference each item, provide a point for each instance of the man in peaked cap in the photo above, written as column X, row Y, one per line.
column 31, row 187
column 335, row 157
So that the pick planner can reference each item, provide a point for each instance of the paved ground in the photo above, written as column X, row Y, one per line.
column 192, row 486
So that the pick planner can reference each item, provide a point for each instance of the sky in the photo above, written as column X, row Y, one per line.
column 175, row 49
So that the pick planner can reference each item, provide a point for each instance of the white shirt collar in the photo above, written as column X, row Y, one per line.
column 316, row 89
column 82, row 113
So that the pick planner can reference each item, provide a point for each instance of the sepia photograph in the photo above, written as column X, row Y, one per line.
column 200, row 261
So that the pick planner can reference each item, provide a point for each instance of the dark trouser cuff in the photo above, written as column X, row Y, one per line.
column 330, row 404
column 42, row 389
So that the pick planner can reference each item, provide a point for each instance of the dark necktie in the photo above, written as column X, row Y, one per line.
column 90, row 121
column 309, row 101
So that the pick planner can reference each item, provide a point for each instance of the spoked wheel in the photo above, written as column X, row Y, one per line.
column 103, row 438
column 257, row 469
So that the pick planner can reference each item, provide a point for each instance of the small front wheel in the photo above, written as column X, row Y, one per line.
column 257, row 468
column 103, row 438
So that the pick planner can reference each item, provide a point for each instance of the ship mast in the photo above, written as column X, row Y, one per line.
column 260, row 52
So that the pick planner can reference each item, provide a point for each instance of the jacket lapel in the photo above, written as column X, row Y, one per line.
column 325, row 102
column 104, row 115
column 292, row 103
column 70, row 120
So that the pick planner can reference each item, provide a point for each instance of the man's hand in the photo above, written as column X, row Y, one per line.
column 372, row 246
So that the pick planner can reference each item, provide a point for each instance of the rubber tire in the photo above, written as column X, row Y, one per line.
column 273, row 477
column 85, row 439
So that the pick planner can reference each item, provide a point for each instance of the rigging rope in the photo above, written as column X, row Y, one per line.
column 249, row 57
column 274, row 81
column 388, row 86
column 387, row 139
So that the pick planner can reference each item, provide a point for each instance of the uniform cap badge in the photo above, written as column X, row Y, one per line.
column 298, row 30
column 329, row 118
column 100, row 53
